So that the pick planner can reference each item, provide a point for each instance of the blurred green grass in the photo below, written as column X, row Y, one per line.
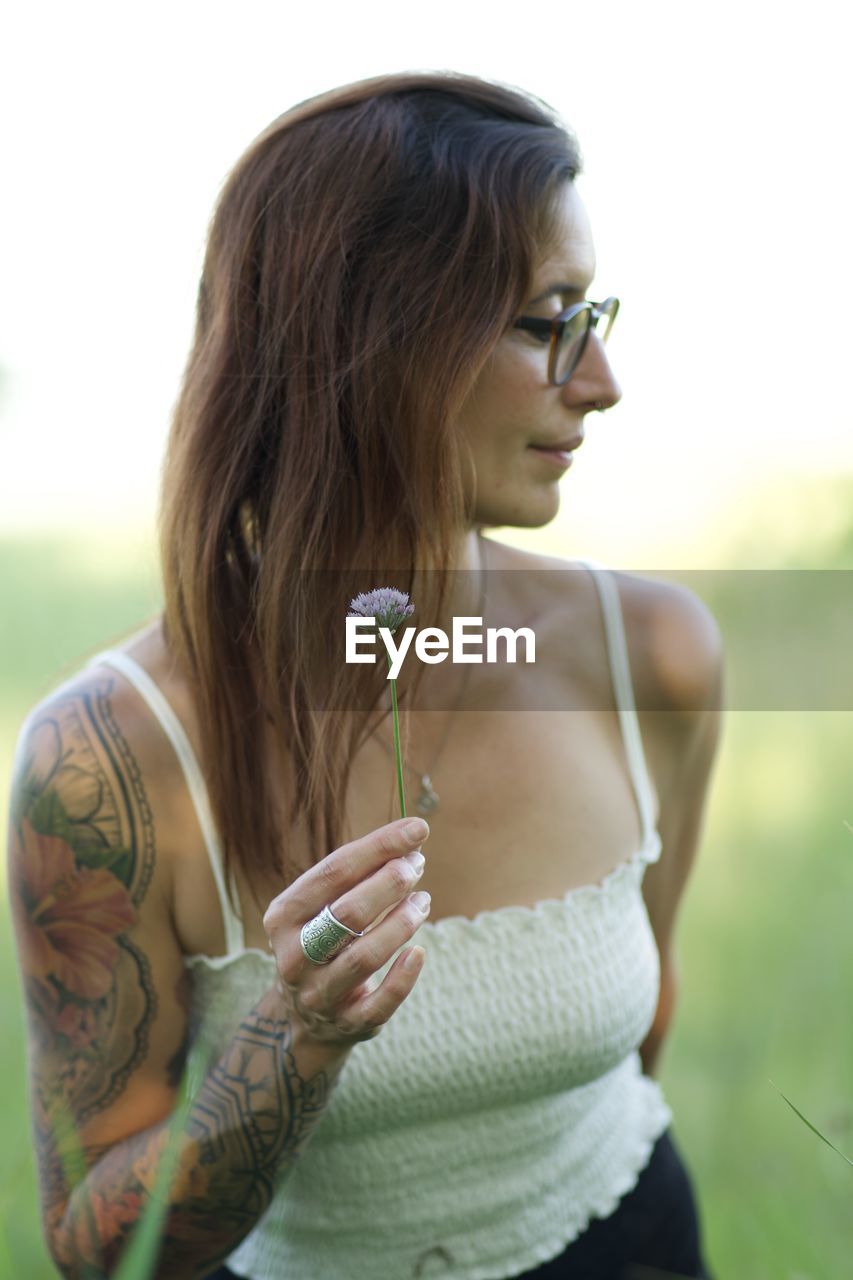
column 764, row 943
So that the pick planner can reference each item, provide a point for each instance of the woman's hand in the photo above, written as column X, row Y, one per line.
column 360, row 882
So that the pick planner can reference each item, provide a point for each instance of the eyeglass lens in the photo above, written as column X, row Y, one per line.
column 573, row 341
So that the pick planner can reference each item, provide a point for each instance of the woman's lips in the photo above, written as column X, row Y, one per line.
column 560, row 455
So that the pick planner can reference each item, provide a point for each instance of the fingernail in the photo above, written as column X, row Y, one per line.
column 416, row 830
column 421, row 900
column 417, row 859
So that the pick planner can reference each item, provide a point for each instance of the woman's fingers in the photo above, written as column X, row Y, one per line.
column 359, row 908
column 340, row 871
column 374, row 878
column 363, row 957
column 372, row 1010
column 336, row 1002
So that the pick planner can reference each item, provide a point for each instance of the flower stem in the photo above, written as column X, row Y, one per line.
column 397, row 742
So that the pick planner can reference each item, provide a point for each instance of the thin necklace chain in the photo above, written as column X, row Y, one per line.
column 428, row 800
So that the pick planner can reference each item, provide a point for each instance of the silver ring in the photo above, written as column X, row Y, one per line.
column 324, row 937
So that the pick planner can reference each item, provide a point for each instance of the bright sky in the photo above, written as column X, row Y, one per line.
column 715, row 138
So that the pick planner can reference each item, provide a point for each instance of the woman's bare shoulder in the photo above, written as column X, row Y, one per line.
column 93, row 678
column 675, row 640
column 86, row 748
column 92, row 749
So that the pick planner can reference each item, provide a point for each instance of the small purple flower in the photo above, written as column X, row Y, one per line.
column 387, row 605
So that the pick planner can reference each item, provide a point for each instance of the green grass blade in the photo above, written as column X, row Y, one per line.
column 140, row 1256
column 811, row 1126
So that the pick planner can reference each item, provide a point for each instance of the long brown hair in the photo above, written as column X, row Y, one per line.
column 365, row 255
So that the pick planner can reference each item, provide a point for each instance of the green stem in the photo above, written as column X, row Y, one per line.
column 397, row 743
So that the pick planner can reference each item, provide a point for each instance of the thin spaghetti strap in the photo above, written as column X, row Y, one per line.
column 175, row 732
column 620, row 669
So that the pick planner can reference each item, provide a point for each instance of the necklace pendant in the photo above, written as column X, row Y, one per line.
column 427, row 801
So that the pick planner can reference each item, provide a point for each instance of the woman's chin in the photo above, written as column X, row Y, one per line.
column 534, row 511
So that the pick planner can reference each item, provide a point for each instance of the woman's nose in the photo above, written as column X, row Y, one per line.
column 593, row 381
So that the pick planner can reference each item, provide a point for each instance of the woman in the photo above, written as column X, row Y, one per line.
column 393, row 352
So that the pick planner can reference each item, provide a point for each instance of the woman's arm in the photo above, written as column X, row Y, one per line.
column 680, row 824
column 105, row 993
column 104, row 981
column 249, row 1121
column 684, row 669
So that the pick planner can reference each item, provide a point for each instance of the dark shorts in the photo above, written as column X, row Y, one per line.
column 652, row 1233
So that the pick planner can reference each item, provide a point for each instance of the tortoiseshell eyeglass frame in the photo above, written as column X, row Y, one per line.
column 595, row 311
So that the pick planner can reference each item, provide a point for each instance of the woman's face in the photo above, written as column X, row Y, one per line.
column 513, row 408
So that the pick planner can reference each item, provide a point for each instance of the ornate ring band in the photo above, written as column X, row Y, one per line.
column 324, row 937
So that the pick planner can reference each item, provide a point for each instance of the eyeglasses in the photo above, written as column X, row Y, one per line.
column 569, row 333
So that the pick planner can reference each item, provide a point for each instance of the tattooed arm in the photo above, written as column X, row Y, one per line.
column 251, row 1118
column 103, row 978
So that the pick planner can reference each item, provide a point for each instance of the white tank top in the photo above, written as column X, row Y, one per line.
column 503, row 1106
